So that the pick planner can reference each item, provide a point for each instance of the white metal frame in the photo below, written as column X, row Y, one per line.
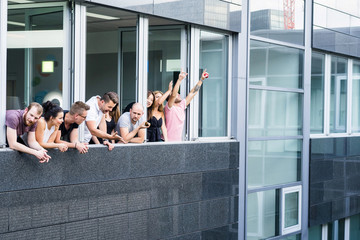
column 66, row 46
column 142, row 60
column 297, row 227
column 3, row 54
column 194, row 77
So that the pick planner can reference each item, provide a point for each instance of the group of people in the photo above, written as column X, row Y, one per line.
column 40, row 127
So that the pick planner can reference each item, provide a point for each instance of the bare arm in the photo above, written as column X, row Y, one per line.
column 38, row 143
column 130, row 136
column 196, row 89
column 162, row 99
column 13, row 144
column 174, row 92
column 91, row 125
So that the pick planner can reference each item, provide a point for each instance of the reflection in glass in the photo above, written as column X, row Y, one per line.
column 291, row 209
column 355, row 227
column 213, row 94
column 262, row 215
column 274, row 113
column 111, row 53
column 275, row 65
column 338, row 95
column 317, row 93
column 273, row 162
column 315, row 232
column 27, row 79
column 278, row 19
column 356, row 97
column 164, row 57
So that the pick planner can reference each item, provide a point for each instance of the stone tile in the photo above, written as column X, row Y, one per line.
column 217, row 184
column 138, row 225
column 138, row 194
column 340, row 208
column 214, row 213
column 20, row 218
column 114, row 227
column 84, row 230
column 191, row 236
column 4, row 220
column 163, row 222
column 226, row 232
column 26, row 234
column 109, row 205
column 48, row 233
column 78, row 209
column 316, row 194
column 321, row 171
column 320, row 214
column 188, row 218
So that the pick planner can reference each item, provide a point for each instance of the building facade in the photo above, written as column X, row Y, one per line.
column 275, row 127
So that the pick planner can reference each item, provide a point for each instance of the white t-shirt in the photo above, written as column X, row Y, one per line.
column 93, row 114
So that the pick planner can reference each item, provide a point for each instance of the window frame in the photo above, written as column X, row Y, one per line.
column 327, row 95
column 297, row 227
column 3, row 70
column 194, row 77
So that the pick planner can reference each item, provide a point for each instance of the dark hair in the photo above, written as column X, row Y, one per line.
column 150, row 108
column 51, row 110
column 110, row 96
column 79, row 107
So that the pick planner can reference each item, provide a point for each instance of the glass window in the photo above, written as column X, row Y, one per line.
column 317, row 93
column 278, row 19
column 291, row 213
column 35, row 62
column 315, row 232
column 262, row 215
column 273, row 162
column 273, row 113
column 276, row 66
column 355, row 227
column 338, row 95
column 214, row 92
column 336, row 229
column 356, row 97
column 164, row 57
column 111, row 53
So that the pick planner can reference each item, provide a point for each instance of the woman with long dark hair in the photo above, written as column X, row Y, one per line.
column 48, row 126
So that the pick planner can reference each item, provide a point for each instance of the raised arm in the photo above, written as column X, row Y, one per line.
column 162, row 99
column 175, row 90
column 197, row 87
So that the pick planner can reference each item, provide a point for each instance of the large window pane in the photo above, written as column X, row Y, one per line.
column 338, row 95
column 356, row 97
column 213, row 94
column 262, row 215
column 317, row 93
column 315, row 232
column 111, row 53
column 164, row 57
column 273, row 162
column 278, row 19
column 355, row 227
column 291, row 209
column 35, row 56
column 273, row 113
column 276, row 66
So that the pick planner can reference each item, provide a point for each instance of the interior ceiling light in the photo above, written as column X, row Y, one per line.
column 16, row 23
column 21, row 1
column 95, row 15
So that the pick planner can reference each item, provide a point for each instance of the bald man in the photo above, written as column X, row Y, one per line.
column 131, row 125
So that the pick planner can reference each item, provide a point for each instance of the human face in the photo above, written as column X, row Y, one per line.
column 157, row 96
column 31, row 116
column 149, row 100
column 135, row 114
column 178, row 98
column 80, row 118
column 59, row 119
column 107, row 107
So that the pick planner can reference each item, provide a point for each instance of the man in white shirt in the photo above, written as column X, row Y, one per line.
column 98, row 107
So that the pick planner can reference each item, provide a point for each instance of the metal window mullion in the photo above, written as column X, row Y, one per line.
column 142, row 59
column 324, row 232
column 3, row 54
column 193, row 75
column 349, row 97
column 347, row 229
column 229, row 83
column 66, row 73
column 327, row 92
column 79, row 56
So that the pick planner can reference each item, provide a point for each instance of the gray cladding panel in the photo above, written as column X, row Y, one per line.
column 170, row 191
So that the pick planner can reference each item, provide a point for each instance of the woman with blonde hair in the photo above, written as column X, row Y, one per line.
column 157, row 130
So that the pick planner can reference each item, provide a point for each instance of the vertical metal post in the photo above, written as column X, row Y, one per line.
column 142, row 60
column 240, row 109
column 3, row 49
column 306, row 121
